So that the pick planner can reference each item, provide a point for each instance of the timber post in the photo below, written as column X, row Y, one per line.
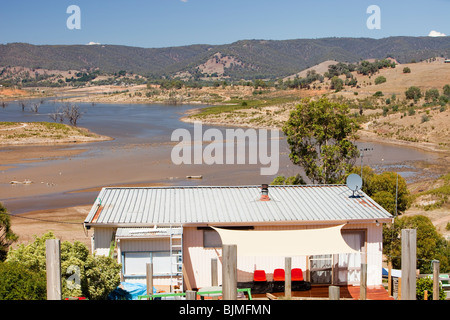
column 53, row 268
column 229, row 272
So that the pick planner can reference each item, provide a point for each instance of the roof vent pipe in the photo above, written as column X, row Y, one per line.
column 265, row 192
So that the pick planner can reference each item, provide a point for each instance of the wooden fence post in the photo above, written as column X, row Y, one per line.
column 149, row 271
column 363, row 282
column 390, row 291
column 191, row 295
column 409, row 252
column 214, row 275
column 334, row 292
column 229, row 272
column 435, row 279
column 53, row 268
column 214, row 278
column 287, row 277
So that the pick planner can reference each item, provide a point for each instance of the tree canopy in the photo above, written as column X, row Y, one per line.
column 430, row 244
column 413, row 93
column 318, row 133
column 383, row 189
column 7, row 236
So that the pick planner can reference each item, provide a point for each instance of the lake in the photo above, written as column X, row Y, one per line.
column 140, row 154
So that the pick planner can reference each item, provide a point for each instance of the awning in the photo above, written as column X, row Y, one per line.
column 287, row 243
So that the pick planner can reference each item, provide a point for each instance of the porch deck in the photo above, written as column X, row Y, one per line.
column 346, row 292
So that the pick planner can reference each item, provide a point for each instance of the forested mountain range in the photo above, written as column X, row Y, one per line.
column 245, row 59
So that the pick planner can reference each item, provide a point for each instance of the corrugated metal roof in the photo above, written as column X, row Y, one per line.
column 240, row 204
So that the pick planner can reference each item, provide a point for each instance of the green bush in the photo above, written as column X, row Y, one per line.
column 426, row 283
column 378, row 94
column 17, row 282
column 430, row 244
column 413, row 93
column 432, row 95
column 380, row 80
column 98, row 275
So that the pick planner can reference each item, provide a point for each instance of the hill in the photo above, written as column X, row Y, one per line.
column 245, row 59
column 382, row 109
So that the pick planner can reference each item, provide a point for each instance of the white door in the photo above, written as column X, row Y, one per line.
column 349, row 264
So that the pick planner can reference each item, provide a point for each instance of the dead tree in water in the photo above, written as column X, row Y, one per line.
column 35, row 107
column 58, row 115
column 72, row 113
column 23, row 105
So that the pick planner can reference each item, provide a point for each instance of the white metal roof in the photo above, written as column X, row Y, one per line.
column 134, row 207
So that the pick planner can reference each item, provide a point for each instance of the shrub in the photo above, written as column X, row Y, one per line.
column 337, row 84
column 98, row 275
column 378, row 94
column 411, row 111
column 413, row 93
column 426, row 283
column 432, row 95
column 17, row 282
column 380, row 80
column 406, row 70
column 446, row 89
column 425, row 118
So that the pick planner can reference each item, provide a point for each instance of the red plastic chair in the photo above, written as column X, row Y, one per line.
column 259, row 275
column 297, row 274
column 278, row 275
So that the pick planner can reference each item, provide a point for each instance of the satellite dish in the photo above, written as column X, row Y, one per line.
column 354, row 182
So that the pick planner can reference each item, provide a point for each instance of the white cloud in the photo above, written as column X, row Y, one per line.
column 93, row 43
column 434, row 33
column 184, row 0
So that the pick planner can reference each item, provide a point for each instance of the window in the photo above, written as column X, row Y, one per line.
column 211, row 239
column 135, row 263
column 320, row 268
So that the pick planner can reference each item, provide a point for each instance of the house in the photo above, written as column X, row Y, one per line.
column 175, row 229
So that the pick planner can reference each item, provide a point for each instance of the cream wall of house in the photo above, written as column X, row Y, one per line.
column 197, row 258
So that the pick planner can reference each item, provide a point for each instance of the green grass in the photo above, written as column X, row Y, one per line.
column 8, row 123
column 237, row 104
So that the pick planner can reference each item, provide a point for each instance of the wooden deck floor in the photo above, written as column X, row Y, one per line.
column 346, row 292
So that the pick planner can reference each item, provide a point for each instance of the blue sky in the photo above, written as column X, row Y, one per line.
column 162, row 23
